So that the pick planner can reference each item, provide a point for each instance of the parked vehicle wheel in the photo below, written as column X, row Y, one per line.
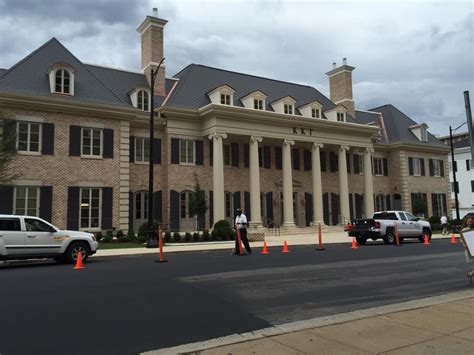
column 400, row 239
column 389, row 237
column 73, row 250
column 426, row 231
column 361, row 240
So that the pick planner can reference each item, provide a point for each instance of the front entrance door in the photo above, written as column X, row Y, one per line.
column 141, row 209
column 186, row 222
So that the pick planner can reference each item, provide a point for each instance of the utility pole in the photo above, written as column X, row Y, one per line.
column 151, row 241
column 470, row 128
column 454, row 166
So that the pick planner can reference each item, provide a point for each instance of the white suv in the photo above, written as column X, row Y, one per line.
column 24, row 237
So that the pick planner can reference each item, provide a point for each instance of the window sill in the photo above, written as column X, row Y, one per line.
column 187, row 164
column 22, row 152
column 94, row 157
column 141, row 162
column 98, row 229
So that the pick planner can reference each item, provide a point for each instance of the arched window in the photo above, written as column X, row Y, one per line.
column 379, row 203
column 63, row 81
column 143, row 100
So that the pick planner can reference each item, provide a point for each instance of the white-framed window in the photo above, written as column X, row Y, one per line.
column 258, row 104
column 424, row 134
column 28, row 137
column 90, row 208
column 438, row 208
column 142, row 149
column 436, row 167
column 141, row 205
column 288, row 109
column 227, row 154
column 379, row 203
column 417, row 166
column 225, row 99
column 186, row 151
column 340, row 117
column 27, row 200
column 360, row 163
column 62, row 82
column 143, row 100
column 91, row 142
column 315, row 113
column 378, row 166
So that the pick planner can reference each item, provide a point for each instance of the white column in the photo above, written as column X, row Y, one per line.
column 343, row 185
column 288, row 217
column 218, row 176
column 317, row 185
column 255, row 208
column 368, row 184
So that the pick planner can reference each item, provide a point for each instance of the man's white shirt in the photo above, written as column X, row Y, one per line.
column 444, row 220
column 241, row 221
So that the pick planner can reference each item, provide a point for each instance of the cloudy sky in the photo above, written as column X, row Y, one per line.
column 417, row 55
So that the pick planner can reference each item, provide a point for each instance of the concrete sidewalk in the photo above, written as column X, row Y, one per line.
column 272, row 241
column 436, row 325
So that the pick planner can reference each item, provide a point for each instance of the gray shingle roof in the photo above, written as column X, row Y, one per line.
column 397, row 126
column 197, row 80
column 463, row 143
column 2, row 71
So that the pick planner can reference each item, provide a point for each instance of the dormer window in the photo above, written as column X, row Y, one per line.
column 255, row 100
column 424, row 134
column 420, row 131
column 312, row 109
column 225, row 99
column 61, row 79
column 143, row 100
column 258, row 104
column 288, row 109
column 341, row 117
column 315, row 113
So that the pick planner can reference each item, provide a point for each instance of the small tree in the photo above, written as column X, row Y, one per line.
column 419, row 204
column 7, row 149
column 197, row 203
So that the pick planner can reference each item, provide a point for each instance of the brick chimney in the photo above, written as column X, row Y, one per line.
column 340, row 86
column 151, row 31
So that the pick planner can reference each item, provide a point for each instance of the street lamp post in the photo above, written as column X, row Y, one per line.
column 151, row 241
column 454, row 166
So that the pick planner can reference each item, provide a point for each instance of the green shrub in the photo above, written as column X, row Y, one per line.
column 222, row 224
column 141, row 238
column 167, row 237
column 205, row 235
column 215, row 234
column 99, row 236
column 176, row 237
column 195, row 236
column 143, row 231
column 109, row 237
column 222, row 231
column 434, row 220
column 188, row 236
column 131, row 236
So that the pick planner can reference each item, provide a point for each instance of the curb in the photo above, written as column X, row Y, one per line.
column 313, row 323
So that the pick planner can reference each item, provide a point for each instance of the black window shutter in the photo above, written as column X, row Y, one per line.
column 355, row 159
column 9, row 130
column 47, row 139
column 132, row 149
column 236, row 198
column 278, row 158
column 468, row 167
column 211, row 209
column 425, row 199
column 130, row 210
column 199, row 152
column 332, row 162
column 430, row 165
column 247, row 204
column 413, row 199
column 472, row 185
column 307, row 160
column 445, row 206
column 335, row 210
column 348, row 162
column 433, row 204
column 107, row 207
column 174, row 210
column 385, row 166
column 269, row 203
column 234, row 147
column 389, row 204
column 156, row 151
column 441, row 167
column 6, row 199
column 246, row 155
column 158, row 206
column 308, row 208
column 108, row 143
column 358, row 206
column 211, row 152
column 46, row 202
column 267, row 157
column 351, row 207
column 326, row 208
column 75, row 141
column 322, row 158
column 174, row 151
column 410, row 166
column 296, row 159
column 422, row 166
column 73, row 208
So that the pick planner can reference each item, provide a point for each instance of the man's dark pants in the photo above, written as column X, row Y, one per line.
column 243, row 237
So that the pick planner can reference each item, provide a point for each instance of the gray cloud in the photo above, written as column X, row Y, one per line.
column 417, row 56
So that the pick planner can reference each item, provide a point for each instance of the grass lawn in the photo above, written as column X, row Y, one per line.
column 105, row 246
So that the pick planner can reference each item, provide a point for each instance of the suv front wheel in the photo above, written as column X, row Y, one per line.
column 74, row 249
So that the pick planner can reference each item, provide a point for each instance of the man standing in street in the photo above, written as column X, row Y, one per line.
column 241, row 225
column 444, row 225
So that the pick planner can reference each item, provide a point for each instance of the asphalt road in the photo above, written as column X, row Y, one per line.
column 127, row 305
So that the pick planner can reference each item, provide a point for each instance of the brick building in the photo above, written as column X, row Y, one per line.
column 284, row 152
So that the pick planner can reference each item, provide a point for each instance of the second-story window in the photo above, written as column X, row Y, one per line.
column 378, row 166
column 227, row 154
column 258, row 104
column 225, row 99
column 143, row 100
column 416, row 166
column 62, row 82
column 288, row 109
column 28, row 137
column 315, row 113
column 340, row 117
column 186, row 151
column 91, row 142
column 142, row 149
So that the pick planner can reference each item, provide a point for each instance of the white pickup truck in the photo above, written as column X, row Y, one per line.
column 24, row 237
column 382, row 226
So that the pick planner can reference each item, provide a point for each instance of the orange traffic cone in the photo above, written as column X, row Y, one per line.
column 285, row 247
column 79, row 265
column 354, row 244
column 265, row 249
column 426, row 242
column 453, row 239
